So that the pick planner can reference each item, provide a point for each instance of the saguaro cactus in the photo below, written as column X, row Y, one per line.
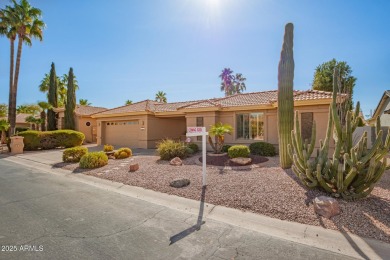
column 353, row 170
column 285, row 96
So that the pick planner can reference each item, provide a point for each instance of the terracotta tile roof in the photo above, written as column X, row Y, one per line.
column 145, row 105
column 88, row 110
column 243, row 99
column 21, row 118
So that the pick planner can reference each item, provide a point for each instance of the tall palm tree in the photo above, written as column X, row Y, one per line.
column 8, row 21
column 27, row 23
column 128, row 102
column 161, row 96
column 43, row 106
column 232, row 84
column 28, row 109
column 84, row 102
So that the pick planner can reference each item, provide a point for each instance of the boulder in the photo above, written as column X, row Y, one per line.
column 134, row 167
column 326, row 206
column 241, row 160
column 176, row 162
column 180, row 183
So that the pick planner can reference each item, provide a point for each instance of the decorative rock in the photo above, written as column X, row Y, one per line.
column 241, row 160
column 180, row 183
column 326, row 206
column 176, row 162
column 133, row 167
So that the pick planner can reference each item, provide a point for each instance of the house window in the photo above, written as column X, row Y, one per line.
column 306, row 125
column 250, row 126
column 199, row 122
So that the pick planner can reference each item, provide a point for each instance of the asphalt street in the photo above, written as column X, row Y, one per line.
column 46, row 216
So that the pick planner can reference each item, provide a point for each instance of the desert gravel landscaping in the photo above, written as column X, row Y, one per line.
column 267, row 190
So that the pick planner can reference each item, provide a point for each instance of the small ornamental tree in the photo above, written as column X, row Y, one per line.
column 218, row 131
column 53, row 99
column 70, row 103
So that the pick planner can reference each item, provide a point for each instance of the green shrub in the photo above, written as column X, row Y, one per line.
column 123, row 153
column 189, row 150
column 238, row 151
column 194, row 147
column 74, row 154
column 169, row 149
column 225, row 148
column 108, row 148
column 34, row 140
column 93, row 160
column 262, row 148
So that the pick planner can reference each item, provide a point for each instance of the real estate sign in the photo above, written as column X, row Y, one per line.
column 200, row 131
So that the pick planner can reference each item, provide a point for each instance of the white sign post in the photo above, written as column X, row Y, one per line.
column 200, row 131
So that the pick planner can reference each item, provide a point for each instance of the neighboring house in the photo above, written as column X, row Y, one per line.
column 21, row 121
column 252, row 115
column 382, row 110
column 83, row 120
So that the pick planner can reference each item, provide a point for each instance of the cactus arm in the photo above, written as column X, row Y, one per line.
column 313, row 139
column 321, row 181
column 350, row 176
column 374, row 148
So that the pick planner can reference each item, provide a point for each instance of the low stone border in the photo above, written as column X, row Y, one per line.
column 245, row 167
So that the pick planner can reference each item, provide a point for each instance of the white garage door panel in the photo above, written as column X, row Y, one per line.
column 122, row 133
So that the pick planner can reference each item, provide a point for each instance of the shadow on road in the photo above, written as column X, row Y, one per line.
column 195, row 227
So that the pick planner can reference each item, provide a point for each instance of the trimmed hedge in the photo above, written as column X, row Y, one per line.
column 238, row 151
column 169, row 149
column 74, row 154
column 262, row 148
column 93, row 160
column 34, row 140
column 123, row 153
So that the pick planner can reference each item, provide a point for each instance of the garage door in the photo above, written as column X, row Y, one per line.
column 122, row 133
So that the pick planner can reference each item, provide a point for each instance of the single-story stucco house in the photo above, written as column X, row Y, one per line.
column 20, row 122
column 252, row 115
column 83, row 120
column 382, row 110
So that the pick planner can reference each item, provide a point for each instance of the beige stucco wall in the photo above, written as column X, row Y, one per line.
column 160, row 128
column 320, row 116
column 80, row 125
column 87, row 130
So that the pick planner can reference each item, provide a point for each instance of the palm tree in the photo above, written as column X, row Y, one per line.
column 232, row 84
column 84, row 102
column 161, row 97
column 218, row 131
column 28, row 109
column 7, row 25
column 43, row 106
column 61, row 87
column 4, row 125
column 25, row 22
column 33, row 121
column 128, row 102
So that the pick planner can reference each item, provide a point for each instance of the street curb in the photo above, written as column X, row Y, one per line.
column 330, row 240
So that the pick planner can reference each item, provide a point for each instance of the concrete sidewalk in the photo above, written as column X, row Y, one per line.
column 314, row 236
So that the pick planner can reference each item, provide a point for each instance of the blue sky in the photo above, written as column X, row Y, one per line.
column 123, row 50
